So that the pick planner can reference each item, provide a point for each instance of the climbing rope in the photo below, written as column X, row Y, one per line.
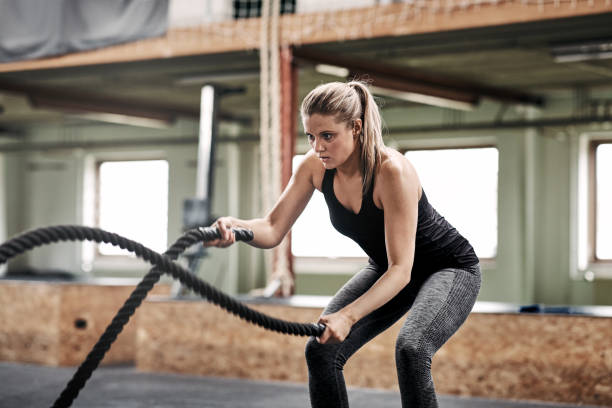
column 162, row 264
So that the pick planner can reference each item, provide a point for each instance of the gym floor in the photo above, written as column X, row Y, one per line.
column 24, row 385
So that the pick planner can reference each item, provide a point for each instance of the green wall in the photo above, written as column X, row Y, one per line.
column 537, row 194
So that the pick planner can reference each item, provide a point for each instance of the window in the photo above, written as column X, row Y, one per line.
column 461, row 184
column 603, row 202
column 313, row 235
column 132, row 201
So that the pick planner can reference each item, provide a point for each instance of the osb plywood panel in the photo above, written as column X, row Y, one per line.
column 553, row 358
column 93, row 308
column 538, row 357
column 196, row 337
column 58, row 323
column 29, row 323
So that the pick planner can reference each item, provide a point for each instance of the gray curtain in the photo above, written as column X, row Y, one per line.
column 40, row 28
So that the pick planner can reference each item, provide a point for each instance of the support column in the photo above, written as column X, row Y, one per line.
column 2, row 208
column 288, row 116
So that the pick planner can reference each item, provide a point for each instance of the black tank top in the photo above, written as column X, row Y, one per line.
column 438, row 245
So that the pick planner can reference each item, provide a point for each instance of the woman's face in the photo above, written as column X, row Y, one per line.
column 334, row 142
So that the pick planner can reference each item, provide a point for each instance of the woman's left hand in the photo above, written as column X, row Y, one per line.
column 338, row 325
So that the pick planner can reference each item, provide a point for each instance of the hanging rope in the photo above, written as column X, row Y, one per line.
column 162, row 264
column 270, row 138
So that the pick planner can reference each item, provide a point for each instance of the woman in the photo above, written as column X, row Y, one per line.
column 418, row 261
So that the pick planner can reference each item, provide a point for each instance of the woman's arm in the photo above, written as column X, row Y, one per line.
column 399, row 188
column 270, row 230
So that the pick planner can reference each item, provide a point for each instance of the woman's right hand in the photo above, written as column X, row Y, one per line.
column 224, row 225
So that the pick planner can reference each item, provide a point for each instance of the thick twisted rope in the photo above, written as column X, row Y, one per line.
column 162, row 264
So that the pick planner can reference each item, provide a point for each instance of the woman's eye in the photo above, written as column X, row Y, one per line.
column 310, row 138
column 327, row 136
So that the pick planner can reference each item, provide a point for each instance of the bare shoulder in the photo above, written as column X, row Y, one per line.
column 395, row 174
column 312, row 169
column 395, row 167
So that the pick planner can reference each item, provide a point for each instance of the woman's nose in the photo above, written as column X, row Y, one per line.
column 318, row 146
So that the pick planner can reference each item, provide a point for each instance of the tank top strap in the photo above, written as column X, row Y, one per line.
column 368, row 198
column 327, row 186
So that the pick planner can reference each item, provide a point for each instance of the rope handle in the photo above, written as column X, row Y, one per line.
column 211, row 233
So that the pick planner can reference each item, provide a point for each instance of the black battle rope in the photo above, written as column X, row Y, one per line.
column 162, row 264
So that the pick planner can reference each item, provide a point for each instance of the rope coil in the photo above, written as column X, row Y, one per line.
column 162, row 264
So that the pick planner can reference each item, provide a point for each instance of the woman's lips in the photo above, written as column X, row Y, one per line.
column 324, row 159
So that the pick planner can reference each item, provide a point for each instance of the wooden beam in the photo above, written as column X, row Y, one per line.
column 398, row 19
column 288, row 116
column 289, row 105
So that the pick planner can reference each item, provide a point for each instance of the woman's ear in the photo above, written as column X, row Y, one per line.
column 357, row 128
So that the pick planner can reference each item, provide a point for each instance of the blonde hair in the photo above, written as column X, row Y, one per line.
column 348, row 102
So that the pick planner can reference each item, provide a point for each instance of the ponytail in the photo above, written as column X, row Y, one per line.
column 370, row 139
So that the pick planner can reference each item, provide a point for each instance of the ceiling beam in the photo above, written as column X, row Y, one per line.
column 392, row 20
column 406, row 79
column 77, row 101
column 70, row 100
column 116, row 143
column 9, row 133
column 602, row 120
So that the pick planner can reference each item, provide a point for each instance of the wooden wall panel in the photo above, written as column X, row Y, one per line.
column 534, row 357
column 38, row 321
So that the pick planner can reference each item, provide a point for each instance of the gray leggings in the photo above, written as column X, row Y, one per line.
column 438, row 306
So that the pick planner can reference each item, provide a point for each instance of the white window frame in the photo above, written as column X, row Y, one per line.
column 460, row 142
column 583, row 264
column 487, row 260
column 93, row 262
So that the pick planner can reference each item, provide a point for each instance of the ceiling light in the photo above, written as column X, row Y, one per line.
column 594, row 50
column 423, row 99
column 332, row 70
column 123, row 119
column 204, row 78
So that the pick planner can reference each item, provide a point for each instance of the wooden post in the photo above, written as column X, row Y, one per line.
column 289, row 81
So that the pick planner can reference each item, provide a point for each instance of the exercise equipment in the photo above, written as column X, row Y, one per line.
column 161, row 264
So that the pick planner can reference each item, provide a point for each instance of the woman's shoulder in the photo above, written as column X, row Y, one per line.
column 312, row 168
column 395, row 169
column 394, row 165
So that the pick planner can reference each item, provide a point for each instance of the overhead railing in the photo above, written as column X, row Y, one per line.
column 326, row 25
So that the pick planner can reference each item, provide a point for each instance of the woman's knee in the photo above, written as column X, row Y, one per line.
column 314, row 352
column 412, row 352
column 322, row 355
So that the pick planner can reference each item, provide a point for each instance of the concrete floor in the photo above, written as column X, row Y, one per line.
column 23, row 385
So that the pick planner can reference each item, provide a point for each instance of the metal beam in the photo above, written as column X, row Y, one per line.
column 410, row 80
column 193, row 140
column 8, row 133
column 104, row 144
column 78, row 101
column 518, row 124
column 71, row 101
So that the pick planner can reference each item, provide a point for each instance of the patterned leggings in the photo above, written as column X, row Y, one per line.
column 438, row 306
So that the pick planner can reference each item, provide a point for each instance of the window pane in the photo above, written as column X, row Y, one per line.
column 133, row 202
column 313, row 234
column 461, row 184
column 603, row 243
